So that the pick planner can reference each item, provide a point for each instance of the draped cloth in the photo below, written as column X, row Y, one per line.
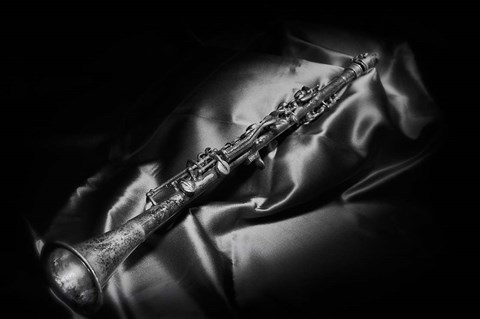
column 337, row 209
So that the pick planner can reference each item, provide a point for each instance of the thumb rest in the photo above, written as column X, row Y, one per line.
column 77, row 274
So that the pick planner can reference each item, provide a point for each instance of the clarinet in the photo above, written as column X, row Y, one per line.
column 77, row 274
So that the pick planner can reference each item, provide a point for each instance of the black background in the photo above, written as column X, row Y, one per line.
column 53, row 40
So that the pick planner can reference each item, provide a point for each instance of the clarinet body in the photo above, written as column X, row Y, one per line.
column 77, row 274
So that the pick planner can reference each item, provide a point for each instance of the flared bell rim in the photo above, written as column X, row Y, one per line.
column 45, row 253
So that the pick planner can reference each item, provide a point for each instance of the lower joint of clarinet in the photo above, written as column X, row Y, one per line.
column 150, row 198
column 188, row 187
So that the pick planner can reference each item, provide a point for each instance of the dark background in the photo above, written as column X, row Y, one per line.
column 57, row 55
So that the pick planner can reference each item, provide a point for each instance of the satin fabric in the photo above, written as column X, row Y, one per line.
column 337, row 207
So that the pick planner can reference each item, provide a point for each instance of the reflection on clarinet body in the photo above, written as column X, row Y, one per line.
column 77, row 274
